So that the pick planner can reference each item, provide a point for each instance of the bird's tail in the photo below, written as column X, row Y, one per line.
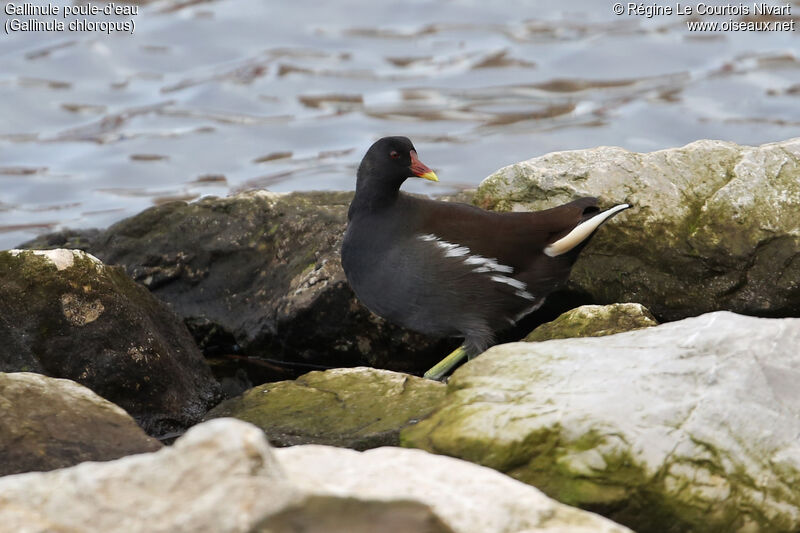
column 582, row 231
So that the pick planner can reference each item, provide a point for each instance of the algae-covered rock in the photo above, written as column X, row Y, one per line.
column 50, row 423
column 714, row 224
column 65, row 314
column 259, row 274
column 356, row 408
column 686, row 426
column 223, row 477
column 594, row 321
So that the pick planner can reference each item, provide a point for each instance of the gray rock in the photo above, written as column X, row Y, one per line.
column 714, row 224
column 50, row 423
column 65, row 314
column 693, row 424
column 336, row 407
column 222, row 476
column 594, row 321
column 259, row 274
column 465, row 497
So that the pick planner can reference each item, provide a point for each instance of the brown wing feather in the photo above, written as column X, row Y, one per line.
column 516, row 238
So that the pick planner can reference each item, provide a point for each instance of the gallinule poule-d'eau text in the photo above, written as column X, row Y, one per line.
column 448, row 269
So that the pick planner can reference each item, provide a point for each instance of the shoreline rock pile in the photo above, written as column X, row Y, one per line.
column 656, row 406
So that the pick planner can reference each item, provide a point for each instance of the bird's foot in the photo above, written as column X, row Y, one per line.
column 445, row 365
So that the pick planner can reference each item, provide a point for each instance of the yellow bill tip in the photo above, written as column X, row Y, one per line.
column 431, row 176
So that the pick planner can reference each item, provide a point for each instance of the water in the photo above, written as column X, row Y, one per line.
column 211, row 97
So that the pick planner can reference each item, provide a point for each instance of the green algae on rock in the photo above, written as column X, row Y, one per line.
column 714, row 225
column 356, row 408
column 594, row 321
column 51, row 423
column 686, row 426
column 65, row 314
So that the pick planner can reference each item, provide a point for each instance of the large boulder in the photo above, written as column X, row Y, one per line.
column 222, row 476
column 65, row 314
column 465, row 497
column 50, row 423
column 594, row 321
column 714, row 225
column 336, row 407
column 686, row 426
column 259, row 274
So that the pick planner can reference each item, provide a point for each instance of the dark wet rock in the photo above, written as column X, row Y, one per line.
column 356, row 408
column 65, row 314
column 67, row 238
column 714, row 224
column 50, row 423
column 692, row 424
column 594, row 321
column 223, row 477
column 259, row 274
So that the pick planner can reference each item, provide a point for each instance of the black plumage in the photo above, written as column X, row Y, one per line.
column 449, row 269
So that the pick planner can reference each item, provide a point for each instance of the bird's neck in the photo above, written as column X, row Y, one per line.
column 373, row 195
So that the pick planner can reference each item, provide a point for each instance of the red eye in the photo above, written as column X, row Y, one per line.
column 394, row 155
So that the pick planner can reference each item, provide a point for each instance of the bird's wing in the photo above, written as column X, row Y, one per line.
column 512, row 239
column 443, row 283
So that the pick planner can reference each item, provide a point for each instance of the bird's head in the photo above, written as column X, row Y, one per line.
column 391, row 160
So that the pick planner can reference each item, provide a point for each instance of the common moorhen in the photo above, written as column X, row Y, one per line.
column 448, row 269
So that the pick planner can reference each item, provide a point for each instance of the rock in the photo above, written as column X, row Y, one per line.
column 65, row 314
column 714, row 224
column 337, row 407
column 51, row 423
column 222, row 476
column 465, row 497
column 68, row 238
column 694, row 423
column 594, row 321
column 259, row 274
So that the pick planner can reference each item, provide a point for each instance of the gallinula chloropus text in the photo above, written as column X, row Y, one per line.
column 448, row 269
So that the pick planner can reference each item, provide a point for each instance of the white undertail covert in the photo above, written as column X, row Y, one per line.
column 581, row 232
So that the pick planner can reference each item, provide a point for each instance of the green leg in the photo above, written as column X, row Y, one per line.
column 443, row 367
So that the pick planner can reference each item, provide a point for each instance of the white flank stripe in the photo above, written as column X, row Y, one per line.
column 452, row 250
column 517, row 284
column 484, row 264
column 457, row 252
column 487, row 264
column 580, row 232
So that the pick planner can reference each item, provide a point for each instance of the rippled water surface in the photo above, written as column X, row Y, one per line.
column 209, row 97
